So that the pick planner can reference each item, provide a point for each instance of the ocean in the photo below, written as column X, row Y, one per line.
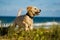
column 9, row 19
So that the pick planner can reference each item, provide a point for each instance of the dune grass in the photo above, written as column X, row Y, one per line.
column 51, row 33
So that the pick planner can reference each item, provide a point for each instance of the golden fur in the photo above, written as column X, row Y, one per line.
column 26, row 21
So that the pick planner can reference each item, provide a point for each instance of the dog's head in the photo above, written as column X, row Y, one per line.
column 33, row 10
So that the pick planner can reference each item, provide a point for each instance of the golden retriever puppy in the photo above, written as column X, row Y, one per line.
column 26, row 21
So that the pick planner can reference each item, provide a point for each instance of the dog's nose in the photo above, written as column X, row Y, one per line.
column 40, row 10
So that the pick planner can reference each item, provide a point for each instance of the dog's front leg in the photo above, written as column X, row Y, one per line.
column 26, row 27
column 31, row 27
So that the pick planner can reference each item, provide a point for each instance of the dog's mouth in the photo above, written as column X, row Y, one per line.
column 37, row 13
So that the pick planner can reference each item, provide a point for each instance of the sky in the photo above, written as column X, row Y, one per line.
column 49, row 8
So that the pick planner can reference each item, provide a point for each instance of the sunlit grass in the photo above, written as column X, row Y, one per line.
column 51, row 33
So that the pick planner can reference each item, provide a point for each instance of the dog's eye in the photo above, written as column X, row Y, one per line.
column 35, row 8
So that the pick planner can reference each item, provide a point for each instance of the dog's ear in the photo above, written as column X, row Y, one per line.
column 29, row 8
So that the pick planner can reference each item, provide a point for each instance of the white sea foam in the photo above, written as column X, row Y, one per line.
column 46, row 24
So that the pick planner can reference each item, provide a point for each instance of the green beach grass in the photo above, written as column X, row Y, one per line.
column 51, row 33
